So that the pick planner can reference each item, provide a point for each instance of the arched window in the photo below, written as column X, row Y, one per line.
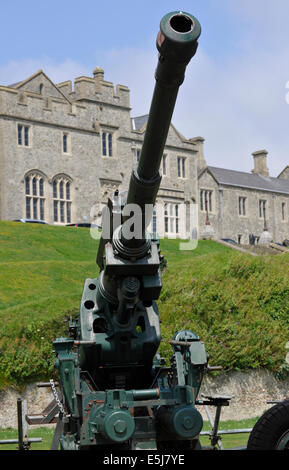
column 34, row 196
column 61, row 200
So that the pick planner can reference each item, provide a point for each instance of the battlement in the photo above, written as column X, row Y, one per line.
column 32, row 106
column 77, row 104
column 96, row 89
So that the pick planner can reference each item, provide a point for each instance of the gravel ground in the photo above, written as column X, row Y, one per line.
column 250, row 393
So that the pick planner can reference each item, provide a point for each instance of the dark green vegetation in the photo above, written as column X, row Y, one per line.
column 237, row 304
column 228, row 441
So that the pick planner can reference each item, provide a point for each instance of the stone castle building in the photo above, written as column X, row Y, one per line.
column 241, row 204
column 64, row 147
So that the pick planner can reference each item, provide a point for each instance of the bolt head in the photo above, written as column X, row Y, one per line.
column 188, row 423
column 120, row 426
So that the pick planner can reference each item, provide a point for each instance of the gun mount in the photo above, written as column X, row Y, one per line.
column 114, row 386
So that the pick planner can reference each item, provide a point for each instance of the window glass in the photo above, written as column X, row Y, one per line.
column 64, row 141
column 283, row 210
column 27, row 185
column 23, row 135
column 181, row 167
column 26, row 136
column 61, row 200
column 34, row 186
column 54, row 189
column 55, row 211
column 61, row 190
column 164, row 166
column 62, row 211
column 41, row 209
column 41, row 191
column 171, row 218
column 35, row 206
column 110, row 145
column 28, row 207
column 19, row 134
column 104, row 144
column 67, row 190
column 35, row 212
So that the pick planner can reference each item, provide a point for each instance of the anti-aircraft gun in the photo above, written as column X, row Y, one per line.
column 116, row 390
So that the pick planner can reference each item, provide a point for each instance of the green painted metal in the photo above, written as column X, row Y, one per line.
column 176, row 48
column 182, row 421
column 116, row 389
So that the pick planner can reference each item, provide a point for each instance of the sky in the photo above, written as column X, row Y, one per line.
column 236, row 90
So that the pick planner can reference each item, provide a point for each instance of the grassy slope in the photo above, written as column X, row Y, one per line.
column 42, row 271
column 239, row 305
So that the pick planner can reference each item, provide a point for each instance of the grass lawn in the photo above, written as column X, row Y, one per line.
column 45, row 433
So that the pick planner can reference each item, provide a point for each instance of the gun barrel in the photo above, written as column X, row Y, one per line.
column 177, row 44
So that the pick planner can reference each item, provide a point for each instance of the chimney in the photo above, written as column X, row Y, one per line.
column 260, row 163
column 98, row 75
column 199, row 142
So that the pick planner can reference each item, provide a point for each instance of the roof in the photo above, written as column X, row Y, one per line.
column 14, row 85
column 19, row 85
column 285, row 170
column 249, row 180
column 138, row 122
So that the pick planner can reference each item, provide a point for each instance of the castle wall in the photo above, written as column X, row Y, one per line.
column 228, row 223
column 82, row 112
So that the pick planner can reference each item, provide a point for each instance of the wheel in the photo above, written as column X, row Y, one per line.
column 271, row 432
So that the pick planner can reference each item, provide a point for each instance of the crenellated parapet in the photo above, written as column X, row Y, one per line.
column 96, row 89
column 78, row 105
